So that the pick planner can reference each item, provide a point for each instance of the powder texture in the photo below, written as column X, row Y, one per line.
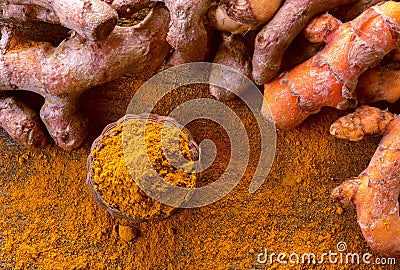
column 49, row 219
column 116, row 170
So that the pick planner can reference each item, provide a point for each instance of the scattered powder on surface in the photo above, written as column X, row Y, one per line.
column 49, row 219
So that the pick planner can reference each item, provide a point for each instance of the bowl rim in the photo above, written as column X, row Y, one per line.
column 193, row 148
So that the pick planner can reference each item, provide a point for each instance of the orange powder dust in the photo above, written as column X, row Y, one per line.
column 49, row 219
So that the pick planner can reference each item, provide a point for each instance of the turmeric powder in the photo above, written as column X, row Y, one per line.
column 113, row 169
column 48, row 219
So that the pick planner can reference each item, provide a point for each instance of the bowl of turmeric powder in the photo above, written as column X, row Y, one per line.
column 117, row 160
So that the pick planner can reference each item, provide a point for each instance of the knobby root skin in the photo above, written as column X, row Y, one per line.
column 234, row 53
column 364, row 121
column 187, row 34
column 64, row 121
column 311, row 40
column 276, row 36
column 60, row 74
column 35, row 23
column 375, row 194
column 378, row 84
column 29, row 13
column 320, row 27
column 10, row 36
column 330, row 77
column 92, row 19
column 349, row 11
column 21, row 122
column 239, row 17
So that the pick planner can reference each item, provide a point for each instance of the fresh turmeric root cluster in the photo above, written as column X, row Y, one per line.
column 97, row 51
column 330, row 77
column 375, row 192
column 346, row 72
column 62, row 73
column 253, row 36
column 61, row 66
column 353, row 69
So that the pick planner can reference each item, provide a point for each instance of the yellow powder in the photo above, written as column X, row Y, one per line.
column 49, row 220
column 114, row 172
column 126, row 233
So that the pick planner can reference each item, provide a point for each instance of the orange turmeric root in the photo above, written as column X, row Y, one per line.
column 349, row 11
column 275, row 37
column 311, row 40
column 378, row 84
column 365, row 120
column 375, row 193
column 330, row 77
column 320, row 27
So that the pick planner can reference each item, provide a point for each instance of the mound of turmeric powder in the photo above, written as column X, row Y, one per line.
column 115, row 169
